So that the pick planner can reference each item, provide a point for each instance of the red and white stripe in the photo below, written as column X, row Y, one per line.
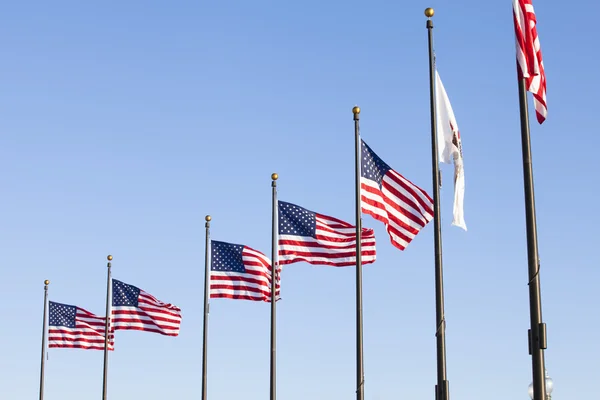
column 529, row 55
column 334, row 244
column 402, row 206
column 88, row 333
column 254, row 284
column 151, row 315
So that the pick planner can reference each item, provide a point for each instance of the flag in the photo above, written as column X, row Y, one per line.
column 240, row 272
column 134, row 309
column 73, row 327
column 320, row 239
column 529, row 55
column 450, row 148
column 389, row 197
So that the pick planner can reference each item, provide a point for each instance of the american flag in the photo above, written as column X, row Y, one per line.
column 529, row 55
column 320, row 239
column 134, row 309
column 389, row 197
column 240, row 272
column 73, row 327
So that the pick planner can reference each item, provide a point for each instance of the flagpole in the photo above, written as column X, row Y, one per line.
column 106, row 326
column 360, row 374
column 206, row 305
column 442, row 388
column 44, row 332
column 537, row 332
column 274, row 255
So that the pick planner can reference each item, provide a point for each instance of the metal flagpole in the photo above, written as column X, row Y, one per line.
column 206, row 305
column 442, row 388
column 360, row 374
column 274, row 263
column 537, row 332
column 44, row 333
column 107, row 325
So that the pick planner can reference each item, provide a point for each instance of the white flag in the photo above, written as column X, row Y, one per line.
column 450, row 148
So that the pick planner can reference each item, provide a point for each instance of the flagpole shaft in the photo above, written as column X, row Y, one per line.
column 44, row 330
column 442, row 389
column 206, row 305
column 274, row 265
column 537, row 332
column 106, row 327
column 360, row 374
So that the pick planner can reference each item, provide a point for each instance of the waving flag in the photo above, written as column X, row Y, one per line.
column 134, row 309
column 450, row 148
column 320, row 239
column 389, row 197
column 529, row 55
column 240, row 272
column 73, row 327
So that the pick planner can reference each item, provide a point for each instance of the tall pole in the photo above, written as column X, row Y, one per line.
column 360, row 373
column 441, row 389
column 537, row 331
column 107, row 326
column 206, row 305
column 44, row 333
column 274, row 262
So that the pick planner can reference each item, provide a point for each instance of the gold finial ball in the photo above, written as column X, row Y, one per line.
column 356, row 110
column 208, row 218
column 46, row 282
column 274, row 176
column 109, row 258
column 429, row 12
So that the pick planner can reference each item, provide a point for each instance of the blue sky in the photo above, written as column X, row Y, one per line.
column 124, row 124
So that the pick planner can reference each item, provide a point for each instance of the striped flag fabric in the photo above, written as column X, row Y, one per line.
column 389, row 197
column 73, row 327
column 320, row 239
column 240, row 272
column 450, row 148
column 529, row 55
column 134, row 309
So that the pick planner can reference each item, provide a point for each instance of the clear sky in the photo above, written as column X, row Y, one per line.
column 122, row 124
